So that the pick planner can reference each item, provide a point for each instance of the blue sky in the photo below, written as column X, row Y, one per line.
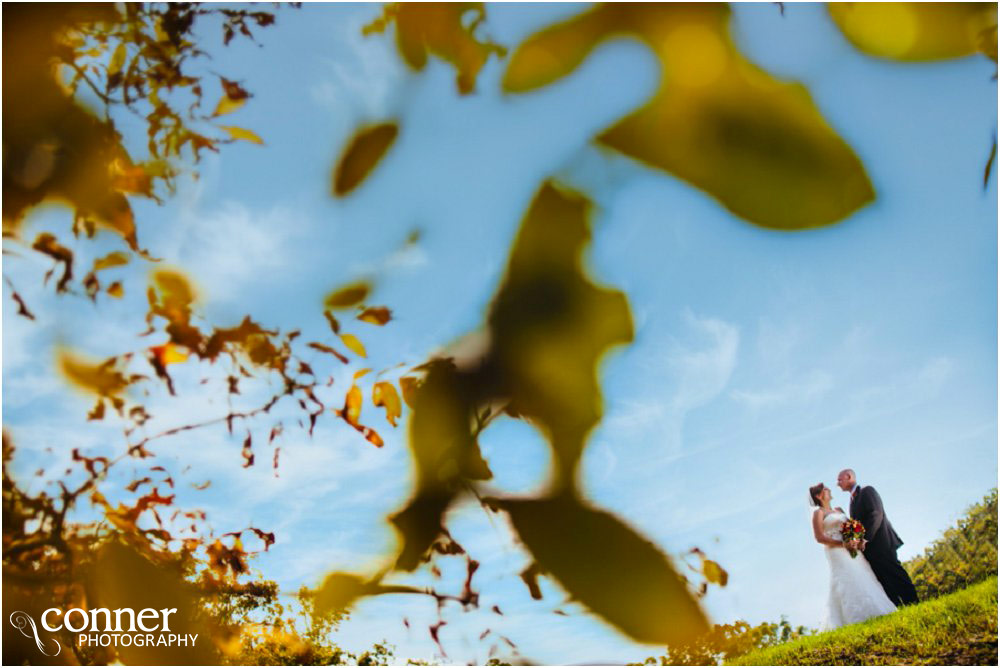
column 762, row 363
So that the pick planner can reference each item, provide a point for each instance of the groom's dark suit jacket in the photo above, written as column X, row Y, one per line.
column 883, row 541
column 866, row 506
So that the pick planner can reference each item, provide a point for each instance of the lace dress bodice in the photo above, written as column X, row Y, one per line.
column 832, row 523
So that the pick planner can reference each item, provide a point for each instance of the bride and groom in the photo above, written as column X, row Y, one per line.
column 869, row 585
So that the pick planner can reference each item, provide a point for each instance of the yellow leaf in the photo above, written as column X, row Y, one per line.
column 242, row 133
column 384, row 394
column 758, row 145
column 352, row 405
column 116, row 290
column 98, row 378
column 915, row 31
column 714, row 572
column 354, row 344
column 361, row 156
column 444, row 29
column 117, row 59
column 361, row 372
column 114, row 259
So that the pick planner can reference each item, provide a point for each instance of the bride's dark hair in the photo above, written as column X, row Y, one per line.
column 814, row 493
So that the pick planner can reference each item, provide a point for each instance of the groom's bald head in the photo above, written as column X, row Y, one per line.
column 846, row 479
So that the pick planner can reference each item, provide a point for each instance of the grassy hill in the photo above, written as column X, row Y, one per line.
column 955, row 629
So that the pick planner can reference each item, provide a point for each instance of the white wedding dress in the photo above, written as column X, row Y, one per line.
column 855, row 593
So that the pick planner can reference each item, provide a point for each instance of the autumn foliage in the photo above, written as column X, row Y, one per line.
column 756, row 144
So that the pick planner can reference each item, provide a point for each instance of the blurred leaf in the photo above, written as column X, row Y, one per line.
column 375, row 315
column 443, row 29
column 117, row 59
column 714, row 573
column 445, row 453
column 352, row 405
column 242, row 133
column 322, row 347
column 608, row 567
column 408, row 386
column 384, row 394
column 123, row 578
column 550, row 325
column 338, row 592
column 114, row 259
column 56, row 150
column 989, row 164
column 169, row 353
column 233, row 97
column 354, row 344
column 361, row 156
column 349, row 295
column 758, row 145
column 116, row 290
column 46, row 243
column 916, row 31
column 361, row 373
column 101, row 379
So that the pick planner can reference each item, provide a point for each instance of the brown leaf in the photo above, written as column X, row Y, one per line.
column 233, row 97
column 408, row 385
column 322, row 347
column 375, row 315
column 47, row 244
column 361, row 156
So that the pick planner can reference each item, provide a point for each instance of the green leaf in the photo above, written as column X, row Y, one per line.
column 550, row 324
column 608, row 567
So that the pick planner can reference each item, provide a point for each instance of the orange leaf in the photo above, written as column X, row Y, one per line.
column 352, row 405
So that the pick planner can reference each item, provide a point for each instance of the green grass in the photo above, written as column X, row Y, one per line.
column 957, row 629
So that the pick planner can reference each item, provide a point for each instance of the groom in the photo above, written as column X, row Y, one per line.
column 881, row 540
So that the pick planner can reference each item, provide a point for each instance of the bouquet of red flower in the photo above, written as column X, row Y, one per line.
column 852, row 530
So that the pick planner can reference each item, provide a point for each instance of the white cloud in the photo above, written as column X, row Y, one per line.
column 810, row 386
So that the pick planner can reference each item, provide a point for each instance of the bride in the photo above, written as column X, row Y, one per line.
column 855, row 593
